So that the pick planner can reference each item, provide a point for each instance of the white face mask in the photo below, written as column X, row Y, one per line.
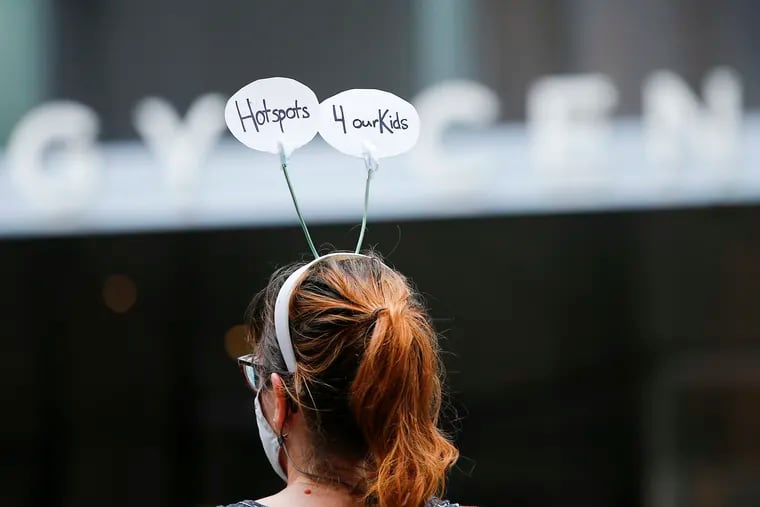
column 269, row 439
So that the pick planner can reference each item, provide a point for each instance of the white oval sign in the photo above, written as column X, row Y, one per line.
column 359, row 121
column 270, row 111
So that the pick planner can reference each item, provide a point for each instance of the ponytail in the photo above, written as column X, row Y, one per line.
column 368, row 381
column 395, row 398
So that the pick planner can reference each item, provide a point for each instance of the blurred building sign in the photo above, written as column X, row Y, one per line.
column 569, row 120
column 570, row 153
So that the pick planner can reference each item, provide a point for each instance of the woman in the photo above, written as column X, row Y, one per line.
column 347, row 377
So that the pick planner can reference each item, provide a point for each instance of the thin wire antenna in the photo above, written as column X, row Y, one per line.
column 371, row 164
column 364, row 215
column 284, row 165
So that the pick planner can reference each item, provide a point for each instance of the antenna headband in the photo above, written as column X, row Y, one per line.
column 282, row 308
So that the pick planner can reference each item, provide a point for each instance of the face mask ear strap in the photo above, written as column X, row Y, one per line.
column 284, row 165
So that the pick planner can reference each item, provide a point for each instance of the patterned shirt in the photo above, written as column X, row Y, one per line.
column 432, row 503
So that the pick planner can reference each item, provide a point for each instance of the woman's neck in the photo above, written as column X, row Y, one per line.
column 302, row 491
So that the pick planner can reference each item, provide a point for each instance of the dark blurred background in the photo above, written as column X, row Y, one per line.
column 596, row 359
column 109, row 54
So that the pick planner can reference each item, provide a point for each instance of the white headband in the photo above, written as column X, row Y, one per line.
column 282, row 309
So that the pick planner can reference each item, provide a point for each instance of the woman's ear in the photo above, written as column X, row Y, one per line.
column 280, row 403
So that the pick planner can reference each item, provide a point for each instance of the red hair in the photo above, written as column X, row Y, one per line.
column 368, row 376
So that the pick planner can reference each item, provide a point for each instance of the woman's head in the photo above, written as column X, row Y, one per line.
column 367, row 382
